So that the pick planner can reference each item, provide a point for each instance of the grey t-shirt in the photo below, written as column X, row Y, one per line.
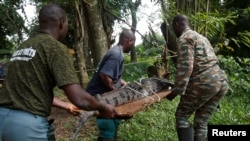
column 111, row 65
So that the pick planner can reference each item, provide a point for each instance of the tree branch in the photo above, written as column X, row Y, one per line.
column 120, row 19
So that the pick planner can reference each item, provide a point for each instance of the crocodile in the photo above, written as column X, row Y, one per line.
column 132, row 91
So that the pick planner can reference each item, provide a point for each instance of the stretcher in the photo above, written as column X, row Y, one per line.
column 128, row 110
column 129, row 100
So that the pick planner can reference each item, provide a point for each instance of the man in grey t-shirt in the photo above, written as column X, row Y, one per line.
column 108, row 77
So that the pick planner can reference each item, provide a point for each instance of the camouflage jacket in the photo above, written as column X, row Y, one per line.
column 196, row 62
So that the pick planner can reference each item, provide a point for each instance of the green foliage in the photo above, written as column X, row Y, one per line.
column 11, row 24
column 212, row 25
column 152, row 52
column 135, row 71
column 70, row 38
column 155, row 123
column 235, row 106
column 242, row 38
column 235, row 4
column 146, row 57
column 228, row 32
column 147, row 50
column 238, row 33
column 153, row 40
column 238, row 71
column 118, row 10
column 234, row 110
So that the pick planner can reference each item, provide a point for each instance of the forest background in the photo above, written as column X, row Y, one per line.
column 93, row 28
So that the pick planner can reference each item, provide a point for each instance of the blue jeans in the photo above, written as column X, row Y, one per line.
column 108, row 127
column 17, row 125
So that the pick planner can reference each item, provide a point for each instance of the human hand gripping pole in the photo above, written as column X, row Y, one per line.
column 73, row 110
column 106, row 111
column 172, row 95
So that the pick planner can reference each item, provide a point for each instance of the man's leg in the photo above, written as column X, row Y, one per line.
column 107, row 129
column 182, row 115
column 23, row 126
column 189, row 103
column 202, row 115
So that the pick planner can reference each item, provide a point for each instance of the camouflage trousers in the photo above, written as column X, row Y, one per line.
column 201, row 100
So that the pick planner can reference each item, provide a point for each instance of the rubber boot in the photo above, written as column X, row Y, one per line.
column 104, row 139
column 199, row 138
column 185, row 134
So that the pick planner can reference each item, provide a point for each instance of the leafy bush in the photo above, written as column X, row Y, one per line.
column 237, row 70
column 235, row 108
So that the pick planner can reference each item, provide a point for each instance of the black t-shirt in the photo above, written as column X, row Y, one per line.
column 35, row 68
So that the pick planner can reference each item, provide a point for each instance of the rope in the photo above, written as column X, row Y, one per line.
column 159, row 99
column 139, row 93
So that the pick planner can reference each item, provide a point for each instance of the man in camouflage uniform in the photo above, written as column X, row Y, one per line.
column 199, row 81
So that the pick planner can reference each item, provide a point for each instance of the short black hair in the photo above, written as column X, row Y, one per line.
column 51, row 12
column 127, row 34
column 181, row 19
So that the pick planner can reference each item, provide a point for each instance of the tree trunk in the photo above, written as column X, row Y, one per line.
column 133, row 8
column 97, row 34
column 79, row 34
column 181, row 6
column 168, row 33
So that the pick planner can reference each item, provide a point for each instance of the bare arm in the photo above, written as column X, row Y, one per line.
column 123, row 82
column 85, row 101
column 72, row 109
column 107, row 81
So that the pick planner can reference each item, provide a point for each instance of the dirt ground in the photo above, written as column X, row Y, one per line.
column 65, row 124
